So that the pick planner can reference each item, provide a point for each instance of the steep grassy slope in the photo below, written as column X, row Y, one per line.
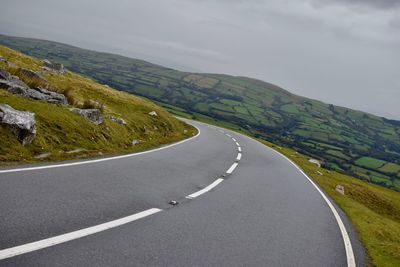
column 373, row 210
column 68, row 135
column 346, row 140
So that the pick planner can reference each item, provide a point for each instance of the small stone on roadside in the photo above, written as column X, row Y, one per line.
column 135, row 142
column 340, row 189
column 153, row 113
column 42, row 156
column 316, row 162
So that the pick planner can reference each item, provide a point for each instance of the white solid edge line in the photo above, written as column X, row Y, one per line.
column 239, row 156
column 239, row 149
column 102, row 159
column 205, row 189
column 232, row 168
column 44, row 243
column 346, row 239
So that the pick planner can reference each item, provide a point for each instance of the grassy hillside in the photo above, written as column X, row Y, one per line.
column 373, row 210
column 67, row 135
column 348, row 141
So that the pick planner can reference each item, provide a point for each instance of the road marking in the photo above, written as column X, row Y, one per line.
column 346, row 239
column 102, row 159
column 228, row 135
column 234, row 140
column 232, row 168
column 205, row 189
column 239, row 156
column 237, row 144
column 239, row 149
column 48, row 242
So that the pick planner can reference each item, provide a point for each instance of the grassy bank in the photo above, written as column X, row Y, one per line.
column 67, row 135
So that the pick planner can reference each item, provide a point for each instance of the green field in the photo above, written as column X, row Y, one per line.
column 390, row 168
column 371, row 163
column 263, row 109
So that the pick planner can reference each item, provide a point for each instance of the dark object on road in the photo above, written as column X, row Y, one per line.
column 173, row 202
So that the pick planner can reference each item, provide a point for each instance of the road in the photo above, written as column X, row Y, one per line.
column 252, row 209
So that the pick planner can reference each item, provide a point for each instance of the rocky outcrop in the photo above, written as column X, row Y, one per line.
column 14, row 85
column 117, row 120
column 21, row 123
column 94, row 115
column 51, row 66
column 52, row 97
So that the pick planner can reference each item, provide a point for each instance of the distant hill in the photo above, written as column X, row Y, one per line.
column 354, row 142
column 120, row 122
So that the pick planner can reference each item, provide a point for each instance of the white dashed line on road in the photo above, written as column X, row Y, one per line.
column 205, row 189
column 232, row 168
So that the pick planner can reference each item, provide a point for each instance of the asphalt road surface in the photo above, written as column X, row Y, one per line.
column 239, row 204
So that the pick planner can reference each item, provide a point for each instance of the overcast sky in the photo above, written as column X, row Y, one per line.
column 345, row 52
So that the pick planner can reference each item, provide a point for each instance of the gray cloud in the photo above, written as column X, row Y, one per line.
column 372, row 3
column 342, row 52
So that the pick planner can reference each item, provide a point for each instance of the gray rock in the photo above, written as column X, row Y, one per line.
column 153, row 113
column 21, row 123
column 18, row 87
column 14, row 85
column 94, row 115
column 117, row 120
column 52, row 97
column 48, row 65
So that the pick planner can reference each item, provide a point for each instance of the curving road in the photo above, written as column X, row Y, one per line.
column 240, row 204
